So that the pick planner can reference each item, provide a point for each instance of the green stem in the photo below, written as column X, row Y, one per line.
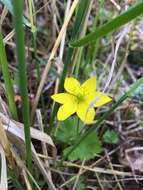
column 7, row 79
column 20, row 50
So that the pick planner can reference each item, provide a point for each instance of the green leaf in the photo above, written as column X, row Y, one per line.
column 67, row 131
column 86, row 150
column 110, row 136
column 111, row 26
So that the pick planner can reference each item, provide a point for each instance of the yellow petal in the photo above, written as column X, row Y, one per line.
column 89, row 85
column 85, row 114
column 98, row 99
column 72, row 86
column 66, row 110
column 63, row 98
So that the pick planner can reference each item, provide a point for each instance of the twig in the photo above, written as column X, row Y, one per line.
column 116, row 5
column 3, row 15
column 119, row 41
column 78, row 175
column 39, row 117
column 99, row 181
column 59, row 62
column 115, row 176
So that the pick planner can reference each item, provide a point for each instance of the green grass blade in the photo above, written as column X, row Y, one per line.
column 93, row 48
column 30, row 6
column 20, row 50
column 80, row 16
column 128, row 94
column 111, row 26
column 7, row 79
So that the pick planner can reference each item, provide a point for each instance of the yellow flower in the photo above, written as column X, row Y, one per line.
column 78, row 98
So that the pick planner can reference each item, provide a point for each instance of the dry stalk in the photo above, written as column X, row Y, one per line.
column 61, row 52
column 116, row 5
column 9, row 36
column 44, row 147
column 3, row 15
column 78, row 175
column 28, row 185
column 99, row 181
column 111, row 166
column 3, row 176
column 119, row 41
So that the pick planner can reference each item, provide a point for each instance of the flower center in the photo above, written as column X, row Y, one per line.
column 80, row 97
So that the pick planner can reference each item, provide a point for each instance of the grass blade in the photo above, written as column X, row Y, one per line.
column 20, row 50
column 81, row 12
column 111, row 26
column 7, row 80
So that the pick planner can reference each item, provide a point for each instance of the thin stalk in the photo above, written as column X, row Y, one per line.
column 79, row 53
column 34, row 35
column 20, row 51
column 34, row 45
column 93, row 48
column 80, row 16
column 78, row 62
column 7, row 79
column 30, row 6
